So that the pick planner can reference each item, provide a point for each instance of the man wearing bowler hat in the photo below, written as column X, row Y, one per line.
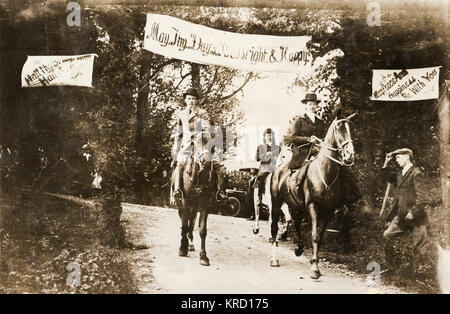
column 305, row 128
column 407, row 212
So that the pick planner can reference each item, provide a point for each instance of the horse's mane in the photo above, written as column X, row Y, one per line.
column 332, row 127
column 330, row 130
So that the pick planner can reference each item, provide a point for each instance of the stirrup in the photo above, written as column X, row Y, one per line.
column 220, row 197
column 180, row 197
column 198, row 189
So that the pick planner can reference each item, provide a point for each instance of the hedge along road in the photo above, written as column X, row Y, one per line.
column 239, row 259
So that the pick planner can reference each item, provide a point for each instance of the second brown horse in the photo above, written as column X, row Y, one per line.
column 318, row 194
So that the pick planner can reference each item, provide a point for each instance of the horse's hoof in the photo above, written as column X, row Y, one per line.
column 298, row 251
column 191, row 247
column 274, row 263
column 183, row 252
column 255, row 231
column 315, row 274
column 204, row 261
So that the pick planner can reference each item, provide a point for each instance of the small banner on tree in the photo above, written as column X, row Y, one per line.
column 405, row 85
column 175, row 38
column 58, row 71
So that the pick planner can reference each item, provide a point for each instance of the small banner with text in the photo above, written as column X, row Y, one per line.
column 406, row 84
column 58, row 71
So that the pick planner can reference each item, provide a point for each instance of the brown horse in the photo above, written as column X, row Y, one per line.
column 199, row 184
column 318, row 194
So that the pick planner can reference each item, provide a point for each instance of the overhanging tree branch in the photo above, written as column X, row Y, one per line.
column 208, row 90
column 156, row 71
column 250, row 75
column 182, row 79
column 161, row 66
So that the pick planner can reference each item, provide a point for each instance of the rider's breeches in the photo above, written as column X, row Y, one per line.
column 178, row 175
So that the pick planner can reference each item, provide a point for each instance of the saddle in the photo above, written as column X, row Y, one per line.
column 294, row 181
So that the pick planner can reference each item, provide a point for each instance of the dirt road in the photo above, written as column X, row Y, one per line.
column 239, row 259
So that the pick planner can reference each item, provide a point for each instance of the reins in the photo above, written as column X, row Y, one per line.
column 339, row 161
column 339, row 149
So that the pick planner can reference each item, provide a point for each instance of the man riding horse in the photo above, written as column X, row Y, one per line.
column 307, row 129
column 307, row 132
column 316, row 194
column 191, row 124
column 197, row 175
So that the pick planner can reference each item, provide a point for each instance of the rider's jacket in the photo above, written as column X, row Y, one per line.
column 304, row 128
column 191, row 122
column 268, row 155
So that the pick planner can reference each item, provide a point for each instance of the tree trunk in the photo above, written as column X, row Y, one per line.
column 195, row 70
column 444, row 130
column 141, row 106
column 142, row 99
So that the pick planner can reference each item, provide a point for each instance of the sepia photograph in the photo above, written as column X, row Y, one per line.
column 224, row 151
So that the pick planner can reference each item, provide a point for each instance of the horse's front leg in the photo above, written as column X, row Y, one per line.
column 287, row 220
column 192, row 218
column 315, row 237
column 202, row 232
column 257, row 208
column 184, row 215
column 297, row 224
column 275, row 216
column 326, row 220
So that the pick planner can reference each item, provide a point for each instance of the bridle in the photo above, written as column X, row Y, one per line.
column 339, row 149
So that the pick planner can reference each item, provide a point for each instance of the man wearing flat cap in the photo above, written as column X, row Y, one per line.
column 407, row 211
column 191, row 121
column 267, row 154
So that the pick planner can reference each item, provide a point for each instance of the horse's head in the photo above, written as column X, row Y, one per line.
column 207, row 172
column 340, row 138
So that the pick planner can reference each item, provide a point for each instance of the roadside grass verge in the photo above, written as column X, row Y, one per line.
column 46, row 240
